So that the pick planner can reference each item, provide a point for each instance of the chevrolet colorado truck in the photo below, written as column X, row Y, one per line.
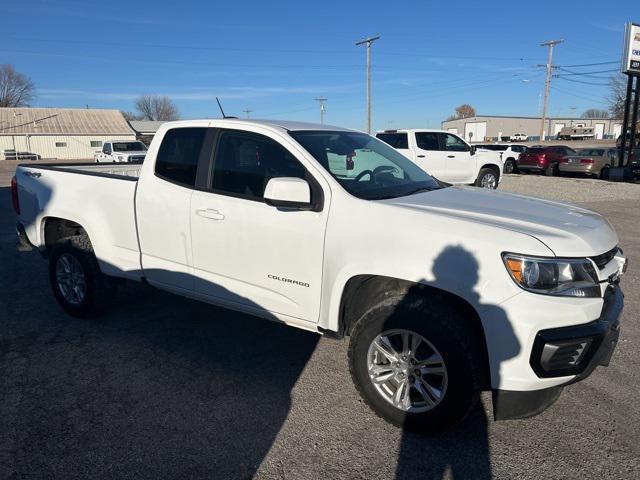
column 443, row 291
column 446, row 156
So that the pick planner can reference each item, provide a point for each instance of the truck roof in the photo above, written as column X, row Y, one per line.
column 284, row 125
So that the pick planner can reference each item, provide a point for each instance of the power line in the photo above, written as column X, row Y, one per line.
column 570, row 72
column 580, row 81
column 591, row 64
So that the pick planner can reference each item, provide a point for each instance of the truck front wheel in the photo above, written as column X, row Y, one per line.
column 77, row 282
column 412, row 361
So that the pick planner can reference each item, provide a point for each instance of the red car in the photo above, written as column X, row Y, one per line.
column 543, row 159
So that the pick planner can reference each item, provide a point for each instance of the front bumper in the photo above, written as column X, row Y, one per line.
column 566, row 351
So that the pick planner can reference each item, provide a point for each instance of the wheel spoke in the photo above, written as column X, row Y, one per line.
column 418, row 385
column 435, row 393
column 433, row 370
column 416, row 340
column 381, row 373
column 434, row 359
column 401, row 398
column 405, row 341
column 383, row 345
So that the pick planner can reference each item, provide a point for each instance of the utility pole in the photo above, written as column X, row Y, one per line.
column 550, row 44
column 321, row 100
column 368, row 42
column 247, row 112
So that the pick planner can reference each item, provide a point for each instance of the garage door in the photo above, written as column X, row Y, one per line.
column 475, row 131
column 599, row 131
column 617, row 130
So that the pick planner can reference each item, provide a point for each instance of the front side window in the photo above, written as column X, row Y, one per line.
column 129, row 147
column 453, row 143
column 106, row 149
column 178, row 155
column 427, row 141
column 365, row 166
column 396, row 140
column 245, row 162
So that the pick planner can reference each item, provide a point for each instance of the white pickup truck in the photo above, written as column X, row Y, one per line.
column 119, row 151
column 444, row 290
column 446, row 156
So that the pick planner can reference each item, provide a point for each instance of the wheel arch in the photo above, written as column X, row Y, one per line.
column 56, row 229
column 361, row 289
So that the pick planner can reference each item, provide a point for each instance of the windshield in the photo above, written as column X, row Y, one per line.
column 595, row 152
column 129, row 147
column 535, row 150
column 365, row 166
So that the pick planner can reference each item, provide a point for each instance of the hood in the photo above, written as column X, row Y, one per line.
column 568, row 230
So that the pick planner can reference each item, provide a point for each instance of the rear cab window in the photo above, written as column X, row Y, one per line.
column 395, row 139
column 178, row 155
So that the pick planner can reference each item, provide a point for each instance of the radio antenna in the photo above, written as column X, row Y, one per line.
column 220, row 107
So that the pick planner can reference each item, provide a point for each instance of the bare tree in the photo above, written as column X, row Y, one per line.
column 16, row 89
column 617, row 94
column 156, row 107
column 129, row 116
column 463, row 111
column 595, row 113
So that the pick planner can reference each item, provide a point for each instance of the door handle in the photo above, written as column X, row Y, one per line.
column 451, row 156
column 421, row 156
column 209, row 213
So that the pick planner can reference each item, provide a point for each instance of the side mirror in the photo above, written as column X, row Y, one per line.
column 288, row 192
column 473, row 150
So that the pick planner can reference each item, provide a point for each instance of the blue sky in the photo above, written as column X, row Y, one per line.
column 274, row 58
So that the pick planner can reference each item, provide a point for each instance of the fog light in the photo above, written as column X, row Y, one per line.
column 562, row 355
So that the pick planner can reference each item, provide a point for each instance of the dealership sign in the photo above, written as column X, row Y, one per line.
column 631, row 49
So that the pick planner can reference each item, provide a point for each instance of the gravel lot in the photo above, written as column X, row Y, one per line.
column 162, row 386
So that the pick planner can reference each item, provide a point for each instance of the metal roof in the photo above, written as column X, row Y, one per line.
column 62, row 121
column 145, row 126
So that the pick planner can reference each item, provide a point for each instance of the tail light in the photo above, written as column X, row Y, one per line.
column 586, row 160
column 542, row 157
column 14, row 195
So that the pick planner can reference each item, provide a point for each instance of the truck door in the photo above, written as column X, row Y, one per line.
column 458, row 163
column 428, row 155
column 163, row 207
column 246, row 252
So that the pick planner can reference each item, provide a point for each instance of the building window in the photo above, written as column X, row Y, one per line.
column 96, row 143
column 61, row 144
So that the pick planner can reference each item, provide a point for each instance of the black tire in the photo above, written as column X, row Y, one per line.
column 510, row 166
column 99, row 288
column 604, row 173
column 447, row 331
column 551, row 170
column 484, row 172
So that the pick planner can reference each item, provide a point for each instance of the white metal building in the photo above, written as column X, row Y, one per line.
column 60, row 132
column 489, row 127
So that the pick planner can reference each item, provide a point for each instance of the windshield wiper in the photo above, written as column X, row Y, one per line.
column 418, row 190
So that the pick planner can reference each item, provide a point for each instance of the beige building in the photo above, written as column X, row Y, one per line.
column 53, row 133
column 492, row 128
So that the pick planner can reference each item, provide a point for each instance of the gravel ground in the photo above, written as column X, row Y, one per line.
column 571, row 189
column 165, row 387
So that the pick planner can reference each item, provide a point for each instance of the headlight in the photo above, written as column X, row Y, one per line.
column 120, row 157
column 566, row 277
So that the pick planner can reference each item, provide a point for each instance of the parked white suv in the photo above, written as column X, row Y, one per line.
column 519, row 137
column 444, row 291
column 446, row 156
column 118, row 151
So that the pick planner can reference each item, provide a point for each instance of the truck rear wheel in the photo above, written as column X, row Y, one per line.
column 77, row 282
column 412, row 360
column 487, row 178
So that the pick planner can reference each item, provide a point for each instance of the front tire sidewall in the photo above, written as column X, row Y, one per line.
column 460, row 394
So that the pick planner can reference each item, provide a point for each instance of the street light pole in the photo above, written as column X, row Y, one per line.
column 550, row 44
column 368, row 42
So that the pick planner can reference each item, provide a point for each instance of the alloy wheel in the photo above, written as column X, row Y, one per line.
column 71, row 279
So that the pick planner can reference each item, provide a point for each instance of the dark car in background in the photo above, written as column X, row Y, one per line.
column 543, row 159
